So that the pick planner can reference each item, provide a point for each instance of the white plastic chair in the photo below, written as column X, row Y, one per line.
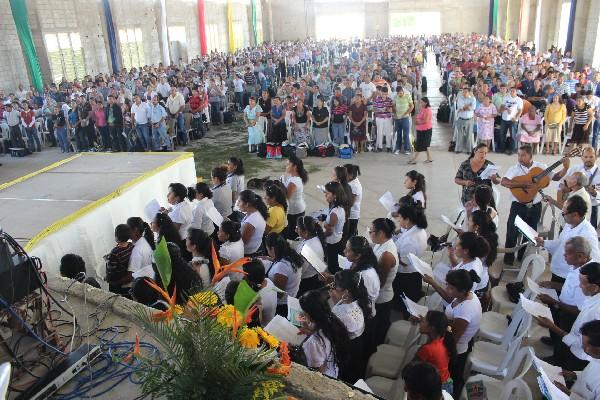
column 4, row 380
column 402, row 332
column 500, row 300
column 514, row 389
column 494, row 324
column 493, row 359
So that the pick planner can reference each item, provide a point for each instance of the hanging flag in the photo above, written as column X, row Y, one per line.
column 254, row 27
column 230, row 27
column 21, row 18
column 112, row 39
column 162, row 259
column 202, row 27
column 496, row 28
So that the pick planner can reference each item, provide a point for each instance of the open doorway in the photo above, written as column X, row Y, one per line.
column 344, row 26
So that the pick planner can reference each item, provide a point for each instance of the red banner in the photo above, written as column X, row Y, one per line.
column 202, row 27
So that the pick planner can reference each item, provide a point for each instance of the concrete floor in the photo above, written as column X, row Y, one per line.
column 380, row 172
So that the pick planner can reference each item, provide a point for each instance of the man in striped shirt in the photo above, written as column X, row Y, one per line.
column 382, row 110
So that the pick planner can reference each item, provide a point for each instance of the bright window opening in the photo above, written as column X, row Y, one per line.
column 340, row 26
column 65, row 55
column 132, row 47
column 565, row 12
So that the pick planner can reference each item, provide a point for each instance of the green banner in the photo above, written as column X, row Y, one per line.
column 21, row 18
column 254, row 27
column 495, row 18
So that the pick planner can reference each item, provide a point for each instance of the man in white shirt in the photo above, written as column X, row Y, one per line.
column 141, row 113
column 573, row 185
column 163, row 88
column 530, row 212
column 465, row 108
column 238, row 90
column 590, row 169
column 587, row 384
column 367, row 88
column 577, row 253
column 571, row 355
column 511, row 110
column 175, row 104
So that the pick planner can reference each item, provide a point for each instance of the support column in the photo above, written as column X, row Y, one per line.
column 522, row 35
column 491, row 17
column 571, row 28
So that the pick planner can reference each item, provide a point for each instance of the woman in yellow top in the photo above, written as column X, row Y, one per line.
column 276, row 200
column 554, row 118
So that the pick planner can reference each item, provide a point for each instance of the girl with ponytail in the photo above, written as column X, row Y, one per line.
column 415, row 183
column 440, row 349
column 254, row 223
column 143, row 244
column 357, row 190
column 311, row 234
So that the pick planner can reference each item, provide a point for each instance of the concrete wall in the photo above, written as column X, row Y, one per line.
column 12, row 67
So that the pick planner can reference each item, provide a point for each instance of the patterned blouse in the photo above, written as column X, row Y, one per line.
column 466, row 172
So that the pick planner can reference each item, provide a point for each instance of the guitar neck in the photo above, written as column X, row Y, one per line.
column 548, row 170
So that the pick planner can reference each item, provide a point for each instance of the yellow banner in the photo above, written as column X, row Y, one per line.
column 230, row 27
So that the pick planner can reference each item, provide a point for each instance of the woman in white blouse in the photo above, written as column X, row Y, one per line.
column 143, row 245
column 357, row 190
column 464, row 310
column 385, row 250
column 415, row 183
column 235, row 177
column 333, row 224
column 352, row 307
column 294, row 184
column 201, row 197
column 232, row 246
column 412, row 221
column 285, row 269
column 254, row 222
column 180, row 211
column 221, row 191
column 198, row 243
column 311, row 235
column 471, row 249
column 327, row 347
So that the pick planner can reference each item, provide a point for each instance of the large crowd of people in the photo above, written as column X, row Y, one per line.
column 505, row 97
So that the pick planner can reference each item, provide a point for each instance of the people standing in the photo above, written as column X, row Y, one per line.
column 403, row 107
column 423, row 121
column 465, row 109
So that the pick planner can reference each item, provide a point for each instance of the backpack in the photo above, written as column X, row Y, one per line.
column 443, row 112
column 261, row 150
column 514, row 289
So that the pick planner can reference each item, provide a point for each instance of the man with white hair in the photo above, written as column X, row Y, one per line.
column 590, row 169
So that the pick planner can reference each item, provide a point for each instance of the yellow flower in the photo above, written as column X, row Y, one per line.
column 228, row 315
column 267, row 389
column 204, row 298
column 249, row 338
column 270, row 340
column 178, row 309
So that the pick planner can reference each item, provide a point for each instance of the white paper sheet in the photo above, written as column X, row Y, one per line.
column 313, row 259
column 413, row 308
column 534, row 308
column 343, row 262
column 220, row 287
column 214, row 216
column 553, row 392
column 151, row 209
column 361, row 384
column 440, row 271
column 283, row 329
column 294, row 310
column 551, row 371
column 489, row 171
column 421, row 266
column 387, row 201
column 145, row 272
column 526, row 230
column 537, row 289
column 449, row 222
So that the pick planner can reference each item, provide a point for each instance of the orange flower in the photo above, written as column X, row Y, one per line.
column 285, row 362
column 221, row 271
column 163, row 315
column 136, row 350
column 250, row 314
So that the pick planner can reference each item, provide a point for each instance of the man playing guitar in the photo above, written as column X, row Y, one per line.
column 530, row 211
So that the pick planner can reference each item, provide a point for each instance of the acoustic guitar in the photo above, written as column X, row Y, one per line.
column 539, row 178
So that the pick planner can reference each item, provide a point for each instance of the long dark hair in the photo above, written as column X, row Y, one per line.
column 310, row 225
column 384, row 225
column 438, row 322
column 475, row 244
column 183, row 277
column 352, row 281
column 318, row 310
column 232, row 229
column 338, row 192
column 302, row 173
column 166, row 229
column 239, row 165
column 414, row 213
column 484, row 197
column 366, row 257
column 462, row 279
column 419, row 180
column 254, row 200
column 142, row 226
column 341, row 174
column 203, row 242
column 282, row 250
column 275, row 192
column 487, row 230
column 353, row 171
column 255, row 273
column 477, row 148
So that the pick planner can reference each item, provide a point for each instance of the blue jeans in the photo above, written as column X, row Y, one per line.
column 239, row 99
column 105, row 137
column 161, row 133
column 595, row 131
column 181, row 133
column 507, row 142
column 63, row 142
column 144, row 135
column 337, row 132
column 33, row 140
column 402, row 129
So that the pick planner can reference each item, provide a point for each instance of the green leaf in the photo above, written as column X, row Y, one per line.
column 163, row 262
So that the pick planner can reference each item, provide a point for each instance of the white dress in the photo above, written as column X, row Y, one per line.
column 283, row 267
column 386, row 293
column 469, row 310
column 181, row 213
column 352, row 317
column 200, row 219
column 319, row 353
column 259, row 224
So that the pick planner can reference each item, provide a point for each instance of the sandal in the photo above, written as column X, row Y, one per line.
column 428, row 161
column 412, row 163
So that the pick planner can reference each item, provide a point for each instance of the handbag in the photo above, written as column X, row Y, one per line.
column 514, row 289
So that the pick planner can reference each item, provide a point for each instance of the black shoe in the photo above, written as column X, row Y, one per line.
column 547, row 340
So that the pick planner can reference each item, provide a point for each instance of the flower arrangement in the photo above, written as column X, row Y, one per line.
column 210, row 351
